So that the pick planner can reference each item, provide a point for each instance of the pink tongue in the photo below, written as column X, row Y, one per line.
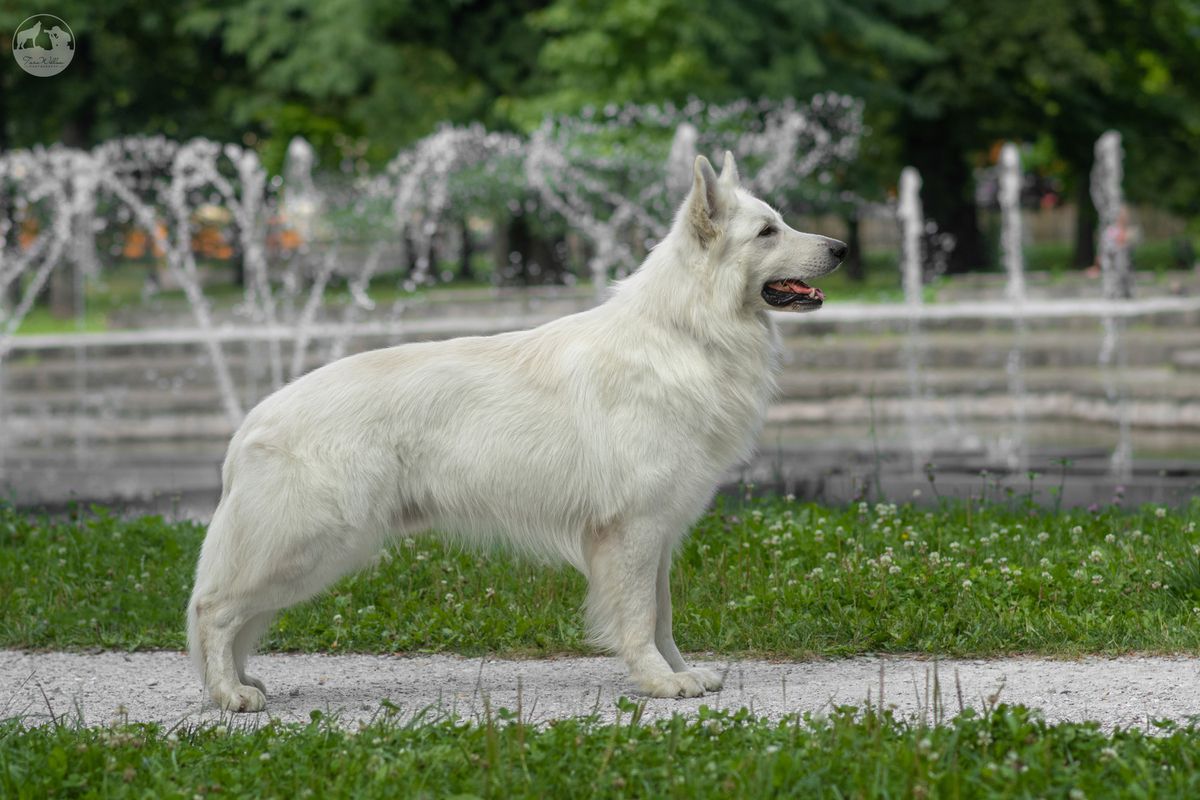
column 797, row 287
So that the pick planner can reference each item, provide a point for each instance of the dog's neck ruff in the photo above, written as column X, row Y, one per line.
column 676, row 287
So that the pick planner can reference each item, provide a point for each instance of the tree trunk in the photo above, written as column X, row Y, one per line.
column 1086, row 220
column 4, row 117
column 855, row 265
column 77, row 130
column 465, row 270
column 948, row 190
column 539, row 261
column 63, row 290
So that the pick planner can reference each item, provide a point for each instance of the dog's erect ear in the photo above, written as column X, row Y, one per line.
column 729, row 173
column 706, row 204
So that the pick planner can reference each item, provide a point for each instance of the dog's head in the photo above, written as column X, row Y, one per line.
column 747, row 247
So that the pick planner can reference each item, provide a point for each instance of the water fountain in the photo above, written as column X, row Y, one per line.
column 1112, row 251
column 615, row 197
column 680, row 162
column 1014, row 446
column 912, row 268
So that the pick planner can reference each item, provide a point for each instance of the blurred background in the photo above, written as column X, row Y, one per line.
column 212, row 198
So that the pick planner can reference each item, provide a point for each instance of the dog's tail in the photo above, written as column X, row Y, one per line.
column 195, row 645
column 202, row 590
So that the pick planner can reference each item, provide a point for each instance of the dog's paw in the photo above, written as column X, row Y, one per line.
column 710, row 679
column 241, row 699
column 671, row 684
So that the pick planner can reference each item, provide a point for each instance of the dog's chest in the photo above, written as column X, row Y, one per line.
column 715, row 398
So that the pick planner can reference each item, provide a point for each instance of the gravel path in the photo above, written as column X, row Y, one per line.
column 160, row 686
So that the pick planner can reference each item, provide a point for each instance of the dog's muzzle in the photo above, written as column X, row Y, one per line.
column 792, row 294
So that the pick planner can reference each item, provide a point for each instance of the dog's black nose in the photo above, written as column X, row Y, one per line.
column 838, row 249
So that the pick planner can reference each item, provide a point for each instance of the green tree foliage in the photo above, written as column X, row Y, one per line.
column 1071, row 69
column 386, row 71
column 133, row 71
column 943, row 81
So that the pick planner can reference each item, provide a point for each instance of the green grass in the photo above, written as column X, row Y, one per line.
column 770, row 578
column 1005, row 752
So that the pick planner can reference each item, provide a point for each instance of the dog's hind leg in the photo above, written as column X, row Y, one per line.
column 256, row 560
column 664, row 637
column 244, row 643
column 623, row 565
column 214, row 622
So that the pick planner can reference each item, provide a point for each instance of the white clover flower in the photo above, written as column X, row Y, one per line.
column 966, row 584
column 1160, row 512
column 1097, row 580
column 1110, row 538
column 1096, row 556
column 337, row 619
column 1043, row 536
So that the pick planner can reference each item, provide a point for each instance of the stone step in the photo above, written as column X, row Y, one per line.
column 135, row 398
column 126, row 365
column 935, row 413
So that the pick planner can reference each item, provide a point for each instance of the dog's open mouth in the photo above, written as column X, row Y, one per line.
column 793, row 294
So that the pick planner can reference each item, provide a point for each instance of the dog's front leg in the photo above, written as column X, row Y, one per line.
column 664, row 637
column 623, row 565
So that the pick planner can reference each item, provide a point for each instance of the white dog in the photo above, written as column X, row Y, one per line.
column 598, row 439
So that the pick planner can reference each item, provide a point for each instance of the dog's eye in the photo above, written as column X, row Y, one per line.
column 769, row 230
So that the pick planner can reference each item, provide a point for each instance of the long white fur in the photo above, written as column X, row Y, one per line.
column 597, row 439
